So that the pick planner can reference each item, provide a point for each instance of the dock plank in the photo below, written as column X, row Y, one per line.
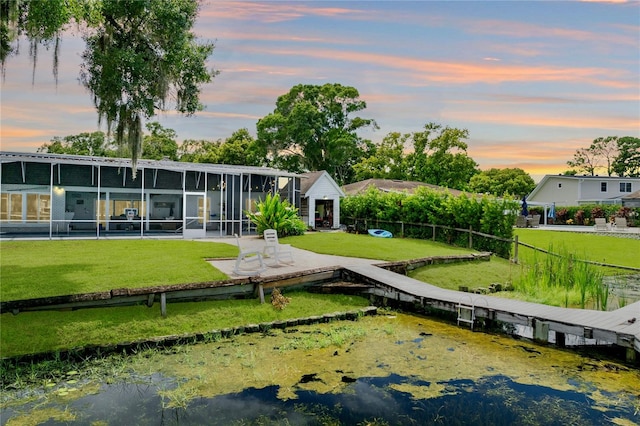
column 602, row 323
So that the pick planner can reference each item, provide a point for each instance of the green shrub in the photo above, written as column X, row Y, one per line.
column 278, row 214
column 411, row 213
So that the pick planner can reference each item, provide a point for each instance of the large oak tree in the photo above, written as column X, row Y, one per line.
column 140, row 54
column 314, row 128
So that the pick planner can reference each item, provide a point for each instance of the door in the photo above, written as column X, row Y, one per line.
column 194, row 224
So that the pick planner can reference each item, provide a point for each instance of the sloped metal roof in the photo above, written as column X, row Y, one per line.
column 38, row 157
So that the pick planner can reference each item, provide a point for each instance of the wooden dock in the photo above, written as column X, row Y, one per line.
column 620, row 327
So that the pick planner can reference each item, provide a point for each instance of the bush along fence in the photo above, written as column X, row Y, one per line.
column 585, row 215
column 482, row 223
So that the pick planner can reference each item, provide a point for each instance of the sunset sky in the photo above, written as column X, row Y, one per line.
column 531, row 81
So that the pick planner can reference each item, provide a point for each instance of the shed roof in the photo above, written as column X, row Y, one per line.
column 309, row 179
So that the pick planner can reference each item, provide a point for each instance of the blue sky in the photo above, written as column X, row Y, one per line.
column 531, row 81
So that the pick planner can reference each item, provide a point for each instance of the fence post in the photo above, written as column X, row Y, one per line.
column 402, row 229
column 515, row 250
column 470, row 239
column 433, row 232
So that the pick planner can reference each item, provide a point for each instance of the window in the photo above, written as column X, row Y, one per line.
column 625, row 186
column 37, row 208
column 603, row 186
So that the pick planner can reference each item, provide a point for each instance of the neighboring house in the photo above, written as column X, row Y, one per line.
column 631, row 200
column 61, row 195
column 392, row 185
column 320, row 200
column 576, row 190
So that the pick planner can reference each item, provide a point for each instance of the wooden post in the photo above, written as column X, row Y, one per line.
column 163, row 305
column 470, row 238
column 402, row 229
column 541, row 331
column 433, row 232
column 150, row 299
column 261, row 293
column 515, row 250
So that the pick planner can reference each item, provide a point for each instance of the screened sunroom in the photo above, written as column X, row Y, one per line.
column 65, row 196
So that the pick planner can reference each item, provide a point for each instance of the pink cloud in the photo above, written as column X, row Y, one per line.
column 451, row 72
column 527, row 118
column 271, row 12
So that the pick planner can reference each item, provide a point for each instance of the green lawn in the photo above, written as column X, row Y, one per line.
column 47, row 268
column 34, row 332
column 598, row 248
column 469, row 274
column 31, row 269
column 368, row 247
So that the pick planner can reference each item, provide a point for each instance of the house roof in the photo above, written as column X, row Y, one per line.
column 632, row 196
column 9, row 157
column 392, row 185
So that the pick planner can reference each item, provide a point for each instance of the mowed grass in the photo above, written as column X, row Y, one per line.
column 605, row 249
column 368, row 247
column 469, row 274
column 36, row 332
column 597, row 248
column 47, row 268
column 32, row 269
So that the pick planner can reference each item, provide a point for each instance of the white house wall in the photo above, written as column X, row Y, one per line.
column 563, row 192
column 591, row 189
column 573, row 191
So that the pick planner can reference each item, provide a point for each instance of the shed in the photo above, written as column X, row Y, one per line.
column 320, row 200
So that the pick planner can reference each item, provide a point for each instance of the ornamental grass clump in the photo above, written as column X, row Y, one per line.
column 563, row 279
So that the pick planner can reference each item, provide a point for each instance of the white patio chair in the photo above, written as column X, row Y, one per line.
column 274, row 250
column 621, row 224
column 601, row 224
column 247, row 258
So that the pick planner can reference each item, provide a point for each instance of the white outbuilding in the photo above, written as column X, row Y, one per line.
column 320, row 200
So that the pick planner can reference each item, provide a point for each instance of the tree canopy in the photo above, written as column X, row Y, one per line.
column 627, row 163
column 500, row 182
column 612, row 154
column 94, row 144
column 435, row 155
column 139, row 54
column 313, row 128
column 240, row 148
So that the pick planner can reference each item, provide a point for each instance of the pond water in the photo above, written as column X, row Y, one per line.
column 391, row 369
column 623, row 290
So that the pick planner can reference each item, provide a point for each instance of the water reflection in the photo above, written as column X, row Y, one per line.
column 491, row 400
column 394, row 370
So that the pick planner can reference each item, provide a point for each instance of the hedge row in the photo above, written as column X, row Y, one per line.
column 486, row 214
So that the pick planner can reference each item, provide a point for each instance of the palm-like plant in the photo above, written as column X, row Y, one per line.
column 274, row 213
